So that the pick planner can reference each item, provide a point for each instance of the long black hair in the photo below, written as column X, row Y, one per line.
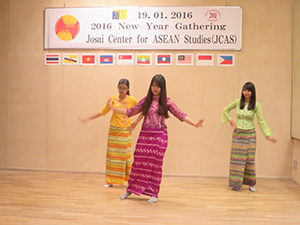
column 248, row 86
column 160, row 81
column 126, row 82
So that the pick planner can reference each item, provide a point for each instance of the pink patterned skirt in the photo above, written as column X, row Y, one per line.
column 146, row 172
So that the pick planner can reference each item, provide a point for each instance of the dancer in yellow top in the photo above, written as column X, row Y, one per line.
column 118, row 158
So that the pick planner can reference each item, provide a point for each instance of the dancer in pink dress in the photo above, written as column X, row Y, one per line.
column 146, row 174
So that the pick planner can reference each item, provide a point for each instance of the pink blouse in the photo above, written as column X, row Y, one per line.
column 153, row 120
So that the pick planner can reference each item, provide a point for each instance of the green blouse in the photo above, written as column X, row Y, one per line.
column 245, row 117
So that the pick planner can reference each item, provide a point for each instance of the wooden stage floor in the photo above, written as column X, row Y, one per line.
column 39, row 198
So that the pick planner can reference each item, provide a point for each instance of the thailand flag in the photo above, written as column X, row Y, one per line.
column 52, row 59
column 163, row 59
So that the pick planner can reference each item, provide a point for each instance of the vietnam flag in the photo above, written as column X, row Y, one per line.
column 88, row 59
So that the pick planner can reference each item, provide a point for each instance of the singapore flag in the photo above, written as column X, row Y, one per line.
column 125, row 59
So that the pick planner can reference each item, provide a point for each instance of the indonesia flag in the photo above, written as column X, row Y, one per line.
column 225, row 60
column 52, row 59
column 125, row 59
column 205, row 59
column 106, row 59
column 163, row 59
column 88, row 59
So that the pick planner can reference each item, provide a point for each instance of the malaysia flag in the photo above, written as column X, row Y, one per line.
column 52, row 59
column 225, row 60
column 88, row 59
column 125, row 59
column 163, row 59
column 205, row 59
column 184, row 59
column 106, row 59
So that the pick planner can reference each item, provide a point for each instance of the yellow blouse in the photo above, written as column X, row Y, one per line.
column 119, row 120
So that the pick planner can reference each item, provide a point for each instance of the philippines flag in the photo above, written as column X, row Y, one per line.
column 125, row 59
column 163, row 59
column 205, row 59
column 106, row 59
column 225, row 60
column 184, row 59
column 52, row 59
column 88, row 59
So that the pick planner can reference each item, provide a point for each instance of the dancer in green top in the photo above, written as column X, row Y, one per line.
column 242, row 158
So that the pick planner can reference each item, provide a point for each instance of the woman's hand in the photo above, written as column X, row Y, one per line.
column 200, row 122
column 272, row 139
column 232, row 124
column 109, row 103
column 132, row 126
column 83, row 120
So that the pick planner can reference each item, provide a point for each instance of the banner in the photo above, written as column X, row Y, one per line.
column 174, row 28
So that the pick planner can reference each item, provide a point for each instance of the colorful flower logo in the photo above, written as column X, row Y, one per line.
column 67, row 28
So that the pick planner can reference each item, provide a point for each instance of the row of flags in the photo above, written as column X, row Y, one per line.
column 138, row 59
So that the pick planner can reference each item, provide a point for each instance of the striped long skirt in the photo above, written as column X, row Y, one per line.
column 146, row 174
column 118, row 157
column 242, row 158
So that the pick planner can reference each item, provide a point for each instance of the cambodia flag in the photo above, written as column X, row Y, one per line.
column 106, row 60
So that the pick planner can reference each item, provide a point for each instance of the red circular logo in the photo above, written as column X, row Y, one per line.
column 67, row 27
column 213, row 15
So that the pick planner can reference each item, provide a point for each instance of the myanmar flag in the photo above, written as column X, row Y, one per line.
column 143, row 60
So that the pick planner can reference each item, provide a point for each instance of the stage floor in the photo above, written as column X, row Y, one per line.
column 52, row 198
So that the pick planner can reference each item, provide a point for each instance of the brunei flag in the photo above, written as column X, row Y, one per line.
column 143, row 59
column 70, row 59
